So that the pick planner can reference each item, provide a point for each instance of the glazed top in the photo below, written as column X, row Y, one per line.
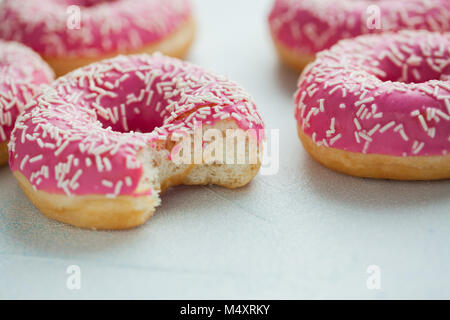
column 384, row 94
column 309, row 26
column 107, row 26
column 22, row 71
column 82, row 135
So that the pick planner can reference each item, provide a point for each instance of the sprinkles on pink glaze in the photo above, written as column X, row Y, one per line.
column 310, row 26
column 82, row 135
column 22, row 71
column 107, row 26
column 380, row 94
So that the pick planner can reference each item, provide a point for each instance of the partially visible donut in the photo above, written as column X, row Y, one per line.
column 22, row 71
column 301, row 28
column 107, row 28
column 95, row 149
column 378, row 106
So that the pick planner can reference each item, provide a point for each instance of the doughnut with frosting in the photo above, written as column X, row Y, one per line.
column 106, row 28
column 97, row 147
column 378, row 106
column 22, row 72
column 301, row 28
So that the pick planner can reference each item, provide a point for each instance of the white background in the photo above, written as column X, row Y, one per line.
column 306, row 232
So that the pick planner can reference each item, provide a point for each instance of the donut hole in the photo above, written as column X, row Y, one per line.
column 132, row 109
column 138, row 119
column 412, row 66
column 407, row 74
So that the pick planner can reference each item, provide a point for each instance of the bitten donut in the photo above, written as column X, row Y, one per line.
column 301, row 28
column 72, row 33
column 378, row 106
column 97, row 147
column 22, row 71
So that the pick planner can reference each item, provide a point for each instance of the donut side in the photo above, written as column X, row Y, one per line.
column 177, row 45
column 159, row 174
column 306, row 27
column 92, row 211
column 95, row 30
column 125, row 128
column 3, row 153
column 359, row 111
column 21, row 76
column 378, row 166
column 296, row 60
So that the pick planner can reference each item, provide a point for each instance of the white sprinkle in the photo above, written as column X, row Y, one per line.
column 367, row 100
column 357, row 124
column 335, row 138
column 418, row 147
column 357, row 137
column 24, row 161
column 387, row 126
column 36, row 158
column 374, row 129
column 107, row 183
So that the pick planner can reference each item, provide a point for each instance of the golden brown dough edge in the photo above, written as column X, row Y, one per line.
column 123, row 212
column 176, row 45
column 4, row 153
column 291, row 58
column 376, row 165
column 93, row 211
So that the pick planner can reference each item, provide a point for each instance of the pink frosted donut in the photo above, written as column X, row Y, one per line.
column 96, row 148
column 104, row 28
column 22, row 71
column 379, row 106
column 301, row 28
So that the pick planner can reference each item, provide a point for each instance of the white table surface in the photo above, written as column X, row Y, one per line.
column 306, row 232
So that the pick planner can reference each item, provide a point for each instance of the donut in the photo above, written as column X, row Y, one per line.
column 378, row 106
column 97, row 147
column 301, row 28
column 103, row 28
column 22, row 71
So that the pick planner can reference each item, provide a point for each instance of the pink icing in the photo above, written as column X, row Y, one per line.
column 22, row 71
column 382, row 94
column 107, row 26
column 310, row 26
column 81, row 136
